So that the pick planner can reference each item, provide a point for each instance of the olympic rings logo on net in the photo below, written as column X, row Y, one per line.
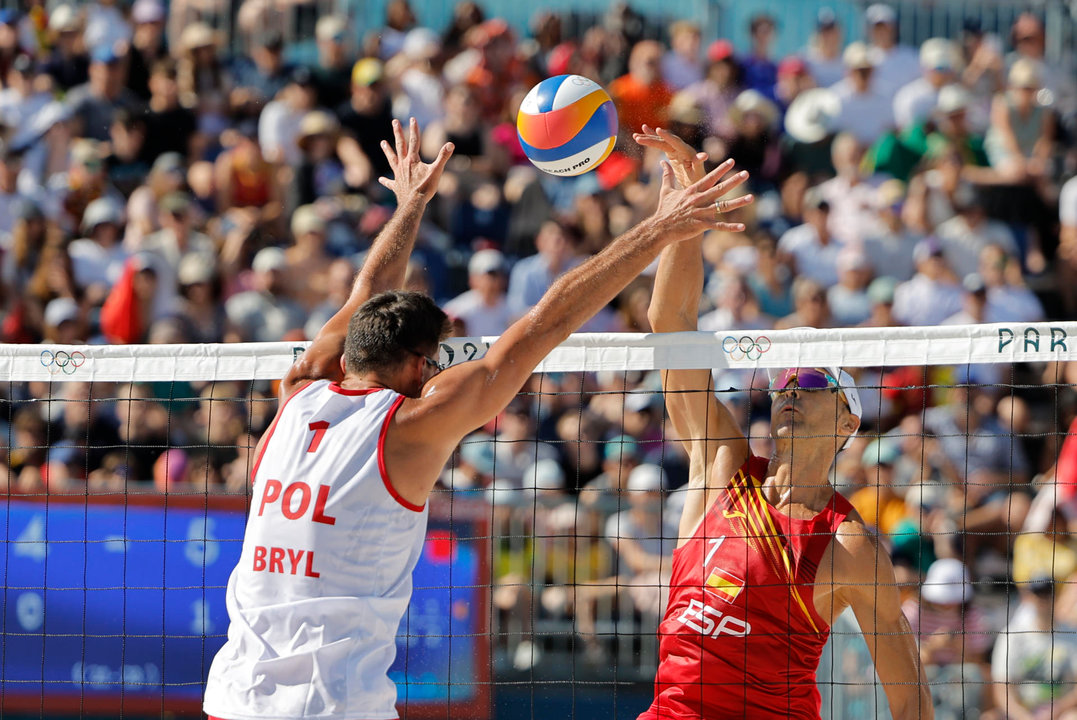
column 745, row 347
column 62, row 361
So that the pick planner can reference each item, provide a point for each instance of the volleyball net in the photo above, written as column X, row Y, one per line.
column 545, row 571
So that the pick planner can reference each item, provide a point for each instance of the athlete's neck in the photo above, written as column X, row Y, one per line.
column 800, row 473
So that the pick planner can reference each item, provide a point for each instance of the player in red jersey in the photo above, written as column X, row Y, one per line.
column 769, row 553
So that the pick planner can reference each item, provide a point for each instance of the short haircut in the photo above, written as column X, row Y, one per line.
column 390, row 325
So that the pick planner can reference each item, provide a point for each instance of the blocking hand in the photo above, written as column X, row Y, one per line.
column 411, row 176
column 687, row 212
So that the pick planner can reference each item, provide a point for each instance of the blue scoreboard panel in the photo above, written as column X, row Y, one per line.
column 113, row 606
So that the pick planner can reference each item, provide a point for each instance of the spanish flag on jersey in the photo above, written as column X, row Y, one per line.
column 724, row 584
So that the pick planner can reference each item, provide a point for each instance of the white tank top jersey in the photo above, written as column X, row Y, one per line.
column 324, row 577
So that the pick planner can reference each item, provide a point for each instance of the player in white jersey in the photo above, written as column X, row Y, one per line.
column 365, row 426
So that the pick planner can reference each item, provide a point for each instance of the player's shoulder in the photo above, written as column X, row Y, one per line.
column 860, row 547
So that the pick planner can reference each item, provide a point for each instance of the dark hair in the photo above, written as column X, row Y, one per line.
column 390, row 325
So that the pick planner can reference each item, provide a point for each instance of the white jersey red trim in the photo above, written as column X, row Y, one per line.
column 324, row 577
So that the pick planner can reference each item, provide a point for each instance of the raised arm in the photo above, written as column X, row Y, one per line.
column 871, row 589
column 703, row 425
column 414, row 184
column 466, row 396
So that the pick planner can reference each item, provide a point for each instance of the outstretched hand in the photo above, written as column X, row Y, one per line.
column 686, row 162
column 689, row 211
column 411, row 176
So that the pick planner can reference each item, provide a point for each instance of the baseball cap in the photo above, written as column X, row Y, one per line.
column 478, row 452
column 953, row 98
column 61, row 310
column 719, row 50
column 620, row 447
column 63, row 19
column 147, row 11
column 947, row 583
column 175, row 203
column 858, row 55
column 974, row 283
column 169, row 162
column 105, row 54
column 646, row 478
column 546, row 474
column 926, row 248
column 1025, row 73
column 486, row 261
column 101, row 211
column 825, row 18
column 938, row 54
column 881, row 451
column 196, row 268
column 421, row 43
column 330, row 27
column 269, row 259
column 812, row 115
column 880, row 14
column 881, row 290
column 306, row 219
column 367, row 71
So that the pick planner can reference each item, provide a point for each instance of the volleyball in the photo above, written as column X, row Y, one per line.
column 567, row 125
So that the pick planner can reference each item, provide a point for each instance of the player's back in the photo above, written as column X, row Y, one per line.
column 325, row 572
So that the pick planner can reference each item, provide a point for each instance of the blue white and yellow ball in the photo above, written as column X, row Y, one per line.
column 567, row 125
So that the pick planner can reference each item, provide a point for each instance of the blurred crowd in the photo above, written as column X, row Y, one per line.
column 160, row 185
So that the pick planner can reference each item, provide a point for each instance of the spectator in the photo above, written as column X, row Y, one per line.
column 204, row 83
column 367, row 117
column 754, row 142
column 516, row 450
column 881, row 299
column 848, row 300
column 1030, row 43
column 716, row 92
column 824, row 52
column 307, row 260
column 201, row 302
column 68, row 64
column 760, row 71
column 462, row 126
column 1033, row 663
column 877, row 502
column 244, row 178
column 147, row 45
column 261, row 78
column 106, row 26
column 1067, row 244
column 266, row 312
column 890, row 249
column 812, row 247
column 333, row 68
column 642, row 95
column 932, row 295
column 809, row 306
column 531, row 276
column 168, row 247
column 338, row 285
column 681, row 66
column 897, row 65
column 422, row 90
column 98, row 259
column 170, row 125
column 954, row 637
column 916, row 101
column 86, row 180
column 852, row 196
column 735, row 306
column 1009, row 299
column 620, row 456
column 278, row 124
column 964, row 236
column 143, row 211
column 1022, row 132
column 484, row 308
column 127, row 166
column 22, row 100
column 94, row 104
column 865, row 110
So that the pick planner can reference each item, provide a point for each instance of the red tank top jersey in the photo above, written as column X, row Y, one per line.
column 741, row 636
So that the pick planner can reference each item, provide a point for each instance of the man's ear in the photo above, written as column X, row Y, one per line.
column 343, row 366
column 849, row 423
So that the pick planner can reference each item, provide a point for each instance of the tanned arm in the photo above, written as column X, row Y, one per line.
column 427, row 429
column 870, row 588
column 414, row 184
column 705, row 427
